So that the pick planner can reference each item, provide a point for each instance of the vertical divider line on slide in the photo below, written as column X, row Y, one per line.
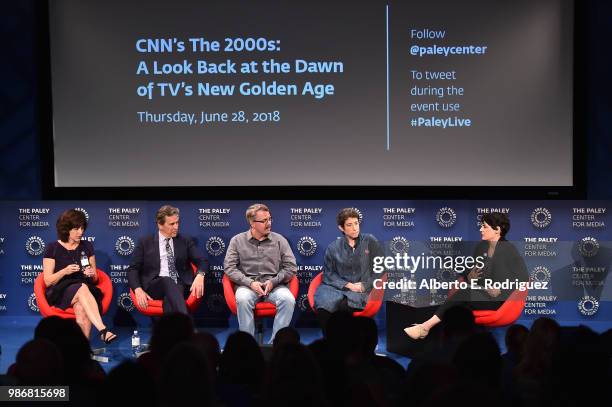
column 387, row 32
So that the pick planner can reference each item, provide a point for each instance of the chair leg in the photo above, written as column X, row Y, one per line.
column 259, row 328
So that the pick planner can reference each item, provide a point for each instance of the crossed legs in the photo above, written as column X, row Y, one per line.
column 87, row 313
column 471, row 299
column 420, row 331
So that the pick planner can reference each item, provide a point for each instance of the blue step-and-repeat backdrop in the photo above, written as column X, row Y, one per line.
column 565, row 244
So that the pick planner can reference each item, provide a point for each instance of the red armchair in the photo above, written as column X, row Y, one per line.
column 262, row 309
column 104, row 284
column 507, row 314
column 374, row 303
column 155, row 308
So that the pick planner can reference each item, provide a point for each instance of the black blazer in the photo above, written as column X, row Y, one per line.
column 146, row 261
column 506, row 264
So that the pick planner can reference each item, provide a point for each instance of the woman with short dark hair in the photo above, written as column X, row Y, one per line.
column 69, row 273
column 501, row 262
column 347, row 277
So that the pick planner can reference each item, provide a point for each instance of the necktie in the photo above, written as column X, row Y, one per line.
column 171, row 265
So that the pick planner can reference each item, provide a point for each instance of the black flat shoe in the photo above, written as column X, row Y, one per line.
column 107, row 336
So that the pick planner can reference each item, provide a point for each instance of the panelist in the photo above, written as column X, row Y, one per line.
column 261, row 263
column 70, row 276
column 347, row 274
column 161, row 265
column 502, row 262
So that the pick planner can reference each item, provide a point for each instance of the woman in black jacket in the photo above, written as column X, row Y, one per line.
column 501, row 262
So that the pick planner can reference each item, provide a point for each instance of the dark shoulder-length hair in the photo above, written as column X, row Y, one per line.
column 70, row 219
column 497, row 219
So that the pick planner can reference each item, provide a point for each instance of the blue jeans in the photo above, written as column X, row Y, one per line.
column 280, row 296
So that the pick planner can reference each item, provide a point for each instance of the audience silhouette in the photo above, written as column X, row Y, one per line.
column 543, row 365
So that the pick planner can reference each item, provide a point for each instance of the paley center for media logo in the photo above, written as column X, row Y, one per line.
column 35, row 246
column 306, row 246
column 588, row 247
column 215, row 246
column 446, row 217
column 32, row 303
column 124, row 246
column 541, row 274
column 399, row 245
column 541, row 217
column 124, row 300
column 359, row 214
column 588, row 305
column 84, row 213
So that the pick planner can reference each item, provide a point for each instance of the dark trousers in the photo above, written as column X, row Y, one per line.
column 323, row 315
column 471, row 299
column 173, row 294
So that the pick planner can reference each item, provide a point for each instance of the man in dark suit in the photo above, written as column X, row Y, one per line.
column 161, row 265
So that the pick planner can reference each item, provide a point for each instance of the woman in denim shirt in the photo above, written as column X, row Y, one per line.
column 347, row 276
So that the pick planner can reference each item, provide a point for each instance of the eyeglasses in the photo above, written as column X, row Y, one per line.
column 263, row 221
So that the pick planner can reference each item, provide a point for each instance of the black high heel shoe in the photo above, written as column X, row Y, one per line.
column 107, row 338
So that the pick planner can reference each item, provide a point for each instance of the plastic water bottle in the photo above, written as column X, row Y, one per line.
column 135, row 342
column 84, row 261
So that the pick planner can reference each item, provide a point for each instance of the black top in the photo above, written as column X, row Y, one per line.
column 63, row 258
column 506, row 263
